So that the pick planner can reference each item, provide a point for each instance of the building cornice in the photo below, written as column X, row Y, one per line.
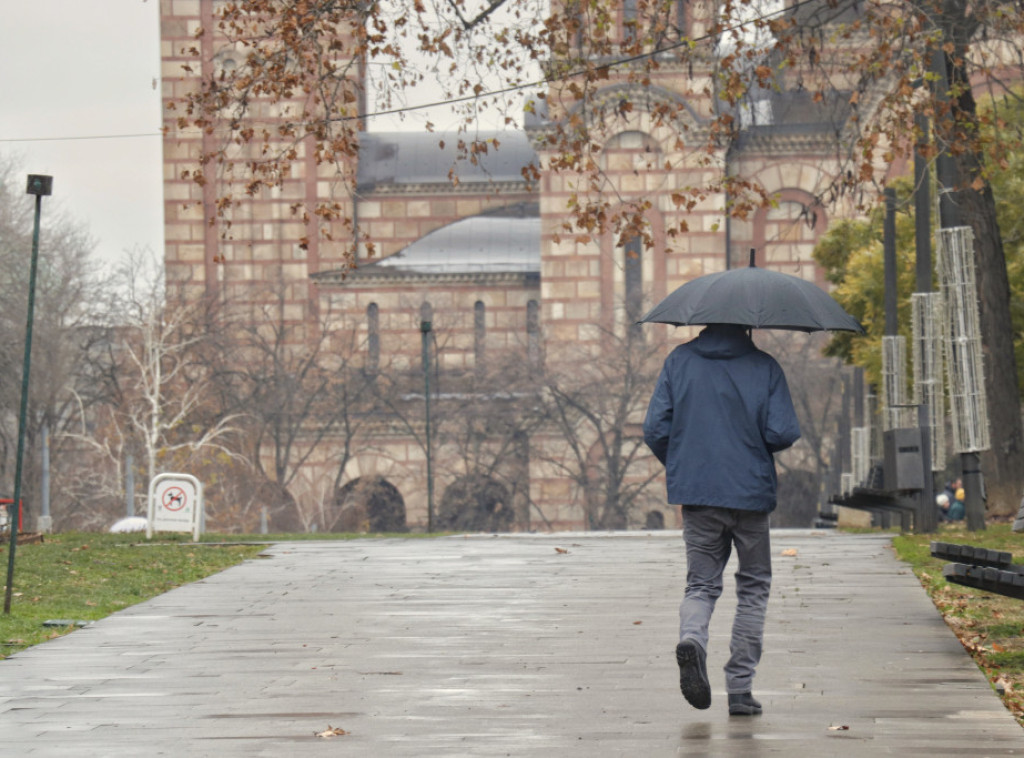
column 376, row 278
column 445, row 188
column 776, row 143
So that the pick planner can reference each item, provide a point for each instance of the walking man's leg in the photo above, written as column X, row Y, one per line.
column 708, row 546
column 753, row 583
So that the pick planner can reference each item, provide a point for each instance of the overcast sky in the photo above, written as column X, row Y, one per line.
column 77, row 77
column 80, row 100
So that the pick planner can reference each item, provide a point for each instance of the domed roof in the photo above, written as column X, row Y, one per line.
column 478, row 244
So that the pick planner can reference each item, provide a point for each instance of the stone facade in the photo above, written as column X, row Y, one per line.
column 575, row 294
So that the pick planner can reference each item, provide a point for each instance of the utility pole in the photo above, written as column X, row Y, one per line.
column 425, row 328
column 41, row 186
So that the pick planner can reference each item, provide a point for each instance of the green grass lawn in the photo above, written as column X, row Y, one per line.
column 990, row 626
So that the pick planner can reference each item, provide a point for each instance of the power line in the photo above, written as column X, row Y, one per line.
column 467, row 98
column 81, row 137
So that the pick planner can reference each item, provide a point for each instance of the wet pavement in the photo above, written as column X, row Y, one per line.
column 553, row 645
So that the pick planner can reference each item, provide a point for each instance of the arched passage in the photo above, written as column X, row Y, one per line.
column 476, row 503
column 369, row 504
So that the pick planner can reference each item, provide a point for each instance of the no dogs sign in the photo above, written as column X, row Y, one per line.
column 175, row 504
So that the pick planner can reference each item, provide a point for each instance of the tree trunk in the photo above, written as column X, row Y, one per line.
column 1004, row 464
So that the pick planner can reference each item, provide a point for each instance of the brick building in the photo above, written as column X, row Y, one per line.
column 484, row 262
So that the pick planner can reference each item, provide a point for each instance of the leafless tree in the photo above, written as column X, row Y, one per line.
column 594, row 406
column 815, row 385
column 66, row 298
column 157, row 394
column 300, row 392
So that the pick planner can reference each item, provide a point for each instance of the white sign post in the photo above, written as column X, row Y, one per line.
column 175, row 505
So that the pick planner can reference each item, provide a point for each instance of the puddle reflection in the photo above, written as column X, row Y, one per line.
column 744, row 730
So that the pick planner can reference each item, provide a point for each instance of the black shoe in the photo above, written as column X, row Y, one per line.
column 693, row 674
column 744, row 705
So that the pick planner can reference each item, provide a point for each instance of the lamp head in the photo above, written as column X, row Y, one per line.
column 39, row 185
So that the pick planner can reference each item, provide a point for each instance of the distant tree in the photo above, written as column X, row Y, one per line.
column 484, row 429
column 851, row 255
column 481, row 420
column 67, row 292
column 594, row 406
column 1007, row 115
column 157, row 394
column 815, row 385
column 298, row 390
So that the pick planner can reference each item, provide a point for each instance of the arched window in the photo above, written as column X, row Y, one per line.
column 633, row 269
column 372, row 338
column 633, row 277
column 576, row 22
column 784, row 235
column 680, row 19
column 479, row 336
column 533, row 334
column 629, row 21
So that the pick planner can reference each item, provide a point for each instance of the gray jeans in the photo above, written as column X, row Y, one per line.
column 710, row 533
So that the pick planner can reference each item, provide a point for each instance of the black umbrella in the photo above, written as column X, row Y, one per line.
column 753, row 297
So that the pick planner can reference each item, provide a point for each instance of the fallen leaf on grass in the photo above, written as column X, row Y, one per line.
column 842, row 728
column 789, row 552
column 331, row 731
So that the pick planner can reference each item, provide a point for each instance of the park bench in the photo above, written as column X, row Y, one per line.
column 878, row 501
column 981, row 568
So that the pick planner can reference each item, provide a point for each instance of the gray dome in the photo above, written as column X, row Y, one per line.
column 479, row 244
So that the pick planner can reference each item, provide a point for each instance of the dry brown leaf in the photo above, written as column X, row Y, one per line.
column 331, row 731
column 637, row 623
column 561, row 550
column 789, row 552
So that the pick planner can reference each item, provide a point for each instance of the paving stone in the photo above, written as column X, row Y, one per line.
column 485, row 646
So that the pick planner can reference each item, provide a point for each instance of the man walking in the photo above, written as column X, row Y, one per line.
column 720, row 410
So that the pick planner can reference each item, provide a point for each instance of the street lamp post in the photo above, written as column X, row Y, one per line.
column 40, row 186
column 425, row 328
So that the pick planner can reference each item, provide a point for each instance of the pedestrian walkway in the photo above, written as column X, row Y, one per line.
column 556, row 645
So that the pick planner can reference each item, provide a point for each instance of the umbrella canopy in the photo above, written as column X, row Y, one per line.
column 754, row 297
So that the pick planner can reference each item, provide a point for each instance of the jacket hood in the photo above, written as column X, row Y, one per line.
column 723, row 341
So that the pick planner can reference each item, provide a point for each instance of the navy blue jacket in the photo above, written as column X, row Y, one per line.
column 720, row 410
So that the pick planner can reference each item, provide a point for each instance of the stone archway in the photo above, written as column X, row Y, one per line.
column 369, row 504
column 476, row 503
column 654, row 520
